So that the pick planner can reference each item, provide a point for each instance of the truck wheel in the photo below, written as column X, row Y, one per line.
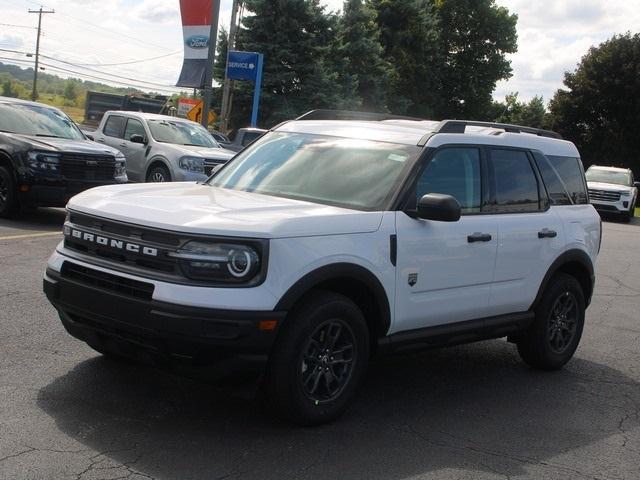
column 319, row 360
column 158, row 174
column 8, row 194
column 555, row 333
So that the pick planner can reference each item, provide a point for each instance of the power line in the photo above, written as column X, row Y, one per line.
column 17, row 26
column 129, row 63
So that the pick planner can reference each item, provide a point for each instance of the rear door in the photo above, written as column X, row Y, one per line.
column 530, row 233
column 445, row 270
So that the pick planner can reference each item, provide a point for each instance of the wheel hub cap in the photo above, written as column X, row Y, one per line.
column 562, row 322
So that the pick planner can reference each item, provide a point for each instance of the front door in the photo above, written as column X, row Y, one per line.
column 135, row 152
column 445, row 270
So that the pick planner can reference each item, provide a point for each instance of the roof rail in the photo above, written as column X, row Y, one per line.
column 459, row 126
column 352, row 115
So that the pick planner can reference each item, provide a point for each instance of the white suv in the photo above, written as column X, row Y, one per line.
column 327, row 241
column 613, row 190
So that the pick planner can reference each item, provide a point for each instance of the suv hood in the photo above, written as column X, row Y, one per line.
column 609, row 187
column 206, row 152
column 65, row 145
column 196, row 208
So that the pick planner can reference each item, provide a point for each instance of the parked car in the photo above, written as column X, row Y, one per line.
column 325, row 242
column 613, row 190
column 220, row 137
column 45, row 159
column 242, row 138
column 161, row 148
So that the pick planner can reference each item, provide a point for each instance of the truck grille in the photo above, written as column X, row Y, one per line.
column 604, row 195
column 107, row 281
column 87, row 167
column 210, row 164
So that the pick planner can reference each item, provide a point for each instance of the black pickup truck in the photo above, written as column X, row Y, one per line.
column 45, row 159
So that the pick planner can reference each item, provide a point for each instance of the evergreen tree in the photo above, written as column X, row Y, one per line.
column 297, row 38
column 7, row 89
column 411, row 41
column 360, row 58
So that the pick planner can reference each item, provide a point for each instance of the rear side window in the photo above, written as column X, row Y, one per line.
column 563, row 178
column 455, row 172
column 114, row 126
column 250, row 137
column 515, row 185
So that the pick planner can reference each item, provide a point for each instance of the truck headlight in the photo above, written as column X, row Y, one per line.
column 45, row 161
column 625, row 194
column 121, row 168
column 192, row 164
column 220, row 262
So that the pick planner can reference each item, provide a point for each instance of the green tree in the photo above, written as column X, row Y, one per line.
column 410, row 37
column 71, row 90
column 220, row 62
column 529, row 114
column 475, row 37
column 360, row 56
column 297, row 38
column 600, row 108
column 7, row 89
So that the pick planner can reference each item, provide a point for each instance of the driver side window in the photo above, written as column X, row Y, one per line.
column 455, row 172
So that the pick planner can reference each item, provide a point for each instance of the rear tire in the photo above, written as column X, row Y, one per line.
column 319, row 360
column 9, row 205
column 555, row 333
column 158, row 174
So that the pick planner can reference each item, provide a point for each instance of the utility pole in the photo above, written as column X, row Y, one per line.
column 208, row 76
column 226, row 91
column 34, row 93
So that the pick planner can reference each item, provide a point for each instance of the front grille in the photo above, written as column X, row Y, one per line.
column 210, row 164
column 107, row 281
column 77, row 166
column 604, row 195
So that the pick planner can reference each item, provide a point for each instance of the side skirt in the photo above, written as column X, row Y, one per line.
column 456, row 333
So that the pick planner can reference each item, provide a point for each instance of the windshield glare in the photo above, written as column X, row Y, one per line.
column 608, row 176
column 347, row 172
column 38, row 120
column 181, row 133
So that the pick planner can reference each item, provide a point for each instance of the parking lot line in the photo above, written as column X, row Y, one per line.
column 30, row 235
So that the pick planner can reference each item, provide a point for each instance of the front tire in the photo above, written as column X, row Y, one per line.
column 555, row 333
column 158, row 174
column 319, row 360
column 9, row 205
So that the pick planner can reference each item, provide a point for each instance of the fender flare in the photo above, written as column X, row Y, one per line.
column 573, row 256
column 349, row 271
column 157, row 159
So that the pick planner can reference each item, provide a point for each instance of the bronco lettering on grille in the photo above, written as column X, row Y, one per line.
column 110, row 242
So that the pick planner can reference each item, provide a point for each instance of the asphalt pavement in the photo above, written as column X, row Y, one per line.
column 469, row 412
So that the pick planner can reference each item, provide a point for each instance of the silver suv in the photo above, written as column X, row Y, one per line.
column 160, row 148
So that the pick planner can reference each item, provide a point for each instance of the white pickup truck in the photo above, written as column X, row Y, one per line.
column 161, row 148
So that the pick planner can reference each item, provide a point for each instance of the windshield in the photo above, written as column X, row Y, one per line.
column 608, row 176
column 352, row 173
column 181, row 133
column 37, row 120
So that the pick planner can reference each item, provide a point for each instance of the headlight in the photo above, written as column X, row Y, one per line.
column 121, row 168
column 47, row 161
column 625, row 194
column 192, row 164
column 222, row 262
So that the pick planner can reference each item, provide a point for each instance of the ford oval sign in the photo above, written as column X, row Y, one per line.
column 197, row 41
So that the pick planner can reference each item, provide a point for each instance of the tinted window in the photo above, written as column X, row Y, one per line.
column 455, row 172
column 134, row 127
column 114, row 126
column 515, row 187
column 250, row 137
column 563, row 178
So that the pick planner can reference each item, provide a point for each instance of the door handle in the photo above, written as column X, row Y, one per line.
column 479, row 237
column 546, row 233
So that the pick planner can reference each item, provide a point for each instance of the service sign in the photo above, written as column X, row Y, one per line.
column 242, row 65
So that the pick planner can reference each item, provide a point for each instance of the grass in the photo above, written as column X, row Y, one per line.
column 637, row 212
column 76, row 113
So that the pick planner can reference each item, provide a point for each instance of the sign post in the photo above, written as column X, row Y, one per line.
column 248, row 66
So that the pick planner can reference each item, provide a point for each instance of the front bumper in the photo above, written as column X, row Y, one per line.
column 619, row 207
column 227, row 342
column 56, row 192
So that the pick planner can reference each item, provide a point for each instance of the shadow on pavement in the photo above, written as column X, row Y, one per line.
column 474, row 408
column 40, row 219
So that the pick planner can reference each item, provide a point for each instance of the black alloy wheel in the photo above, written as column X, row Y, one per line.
column 327, row 361
column 562, row 322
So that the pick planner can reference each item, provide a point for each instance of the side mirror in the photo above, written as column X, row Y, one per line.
column 439, row 207
column 636, row 184
column 137, row 138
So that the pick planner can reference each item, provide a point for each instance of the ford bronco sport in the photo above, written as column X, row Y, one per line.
column 327, row 241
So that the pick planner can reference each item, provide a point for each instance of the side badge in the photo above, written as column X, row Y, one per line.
column 413, row 279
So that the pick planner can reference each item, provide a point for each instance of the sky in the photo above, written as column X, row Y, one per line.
column 553, row 35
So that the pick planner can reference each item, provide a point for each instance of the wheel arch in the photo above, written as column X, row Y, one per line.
column 158, row 161
column 576, row 263
column 353, row 281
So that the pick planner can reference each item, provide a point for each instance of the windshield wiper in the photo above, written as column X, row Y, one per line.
column 48, row 135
